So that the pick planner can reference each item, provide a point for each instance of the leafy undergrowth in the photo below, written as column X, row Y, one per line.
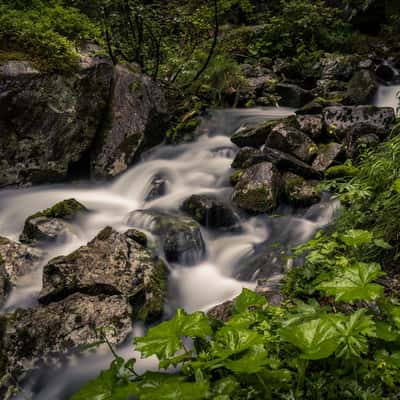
column 337, row 334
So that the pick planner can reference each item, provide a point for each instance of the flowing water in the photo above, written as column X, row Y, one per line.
column 199, row 167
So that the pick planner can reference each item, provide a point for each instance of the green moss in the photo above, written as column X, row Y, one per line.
column 234, row 178
column 339, row 171
column 66, row 209
column 185, row 131
column 256, row 199
column 137, row 236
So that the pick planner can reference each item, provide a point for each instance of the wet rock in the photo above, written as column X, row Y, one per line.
column 57, row 127
column 292, row 95
column 179, row 236
column 246, row 157
column 299, row 192
column 310, row 109
column 385, row 72
column 362, row 88
column 286, row 162
column 270, row 289
column 253, row 137
column 311, row 125
column 221, row 312
column 328, row 155
column 4, row 282
column 52, row 224
column 258, row 188
column 338, row 67
column 29, row 336
column 112, row 263
column 158, row 188
column 19, row 259
column 211, row 212
column 292, row 141
column 344, row 120
column 137, row 118
column 186, row 131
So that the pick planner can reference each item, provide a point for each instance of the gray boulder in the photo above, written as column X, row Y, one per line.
column 179, row 236
column 328, row 155
column 344, row 120
column 253, row 137
column 292, row 141
column 19, row 259
column 111, row 264
column 299, row 192
column 258, row 188
column 31, row 336
column 211, row 212
column 52, row 224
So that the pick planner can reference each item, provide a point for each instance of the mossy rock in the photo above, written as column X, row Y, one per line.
column 185, row 131
column 234, row 178
column 340, row 171
column 299, row 192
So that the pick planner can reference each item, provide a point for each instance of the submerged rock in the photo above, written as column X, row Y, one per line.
column 258, row 188
column 157, row 189
column 53, row 223
column 292, row 141
column 211, row 212
column 179, row 236
column 32, row 335
column 112, row 263
column 19, row 259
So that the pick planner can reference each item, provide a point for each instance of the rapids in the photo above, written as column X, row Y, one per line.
column 202, row 166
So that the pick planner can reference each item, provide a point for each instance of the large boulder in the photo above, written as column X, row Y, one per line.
column 292, row 141
column 258, row 188
column 179, row 236
column 299, row 192
column 328, row 155
column 344, row 120
column 211, row 212
column 112, row 263
column 137, row 116
column 31, row 336
column 53, row 223
column 19, row 259
column 56, row 127
column 362, row 88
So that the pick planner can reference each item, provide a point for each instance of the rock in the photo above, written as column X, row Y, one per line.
column 52, row 224
column 299, row 192
column 186, row 131
column 111, row 264
column 58, row 127
column 136, row 121
column 19, row 259
column 344, row 120
column 49, row 123
column 292, row 95
column 221, row 312
column 385, row 72
column 284, row 162
column 258, row 188
column 338, row 67
column 4, row 283
column 328, row 155
column 362, row 88
column 310, row 109
column 270, row 289
column 211, row 212
column 292, row 141
column 339, row 171
column 158, row 188
column 179, row 236
column 330, row 90
column 31, row 336
column 17, row 68
column 311, row 125
column 253, row 137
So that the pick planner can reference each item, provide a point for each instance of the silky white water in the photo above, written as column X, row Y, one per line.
column 199, row 167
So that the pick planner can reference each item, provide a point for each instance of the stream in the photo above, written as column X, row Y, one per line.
column 199, row 167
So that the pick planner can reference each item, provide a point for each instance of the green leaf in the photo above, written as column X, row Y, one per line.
column 252, row 362
column 356, row 237
column 396, row 185
column 354, row 283
column 353, row 332
column 164, row 340
column 176, row 390
column 386, row 332
column 247, row 299
column 226, row 386
column 382, row 244
column 316, row 339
